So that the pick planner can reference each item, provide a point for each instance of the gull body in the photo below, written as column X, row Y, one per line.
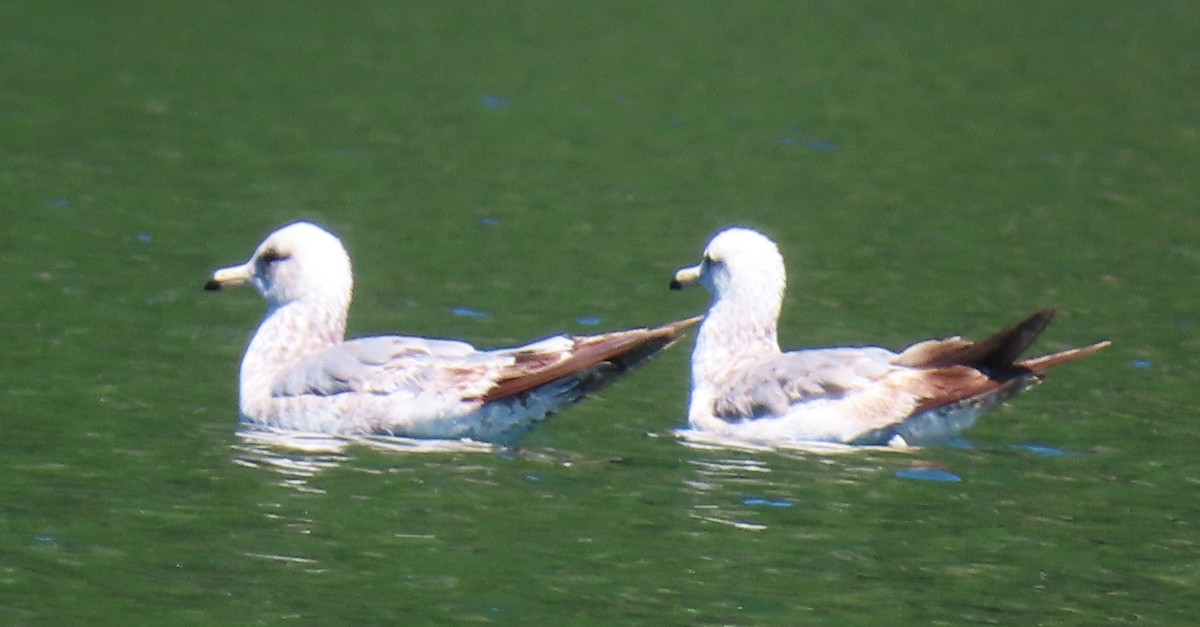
column 744, row 386
column 299, row 371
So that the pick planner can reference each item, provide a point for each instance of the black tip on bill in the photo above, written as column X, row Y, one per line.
column 212, row 286
column 675, row 285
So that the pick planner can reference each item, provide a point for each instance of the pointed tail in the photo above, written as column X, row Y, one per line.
column 996, row 356
column 964, row 375
column 1039, row 365
column 594, row 362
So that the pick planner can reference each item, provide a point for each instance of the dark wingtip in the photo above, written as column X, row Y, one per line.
column 674, row 285
column 212, row 286
column 1000, row 352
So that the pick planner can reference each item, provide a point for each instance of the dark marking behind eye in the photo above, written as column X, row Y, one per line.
column 272, row 255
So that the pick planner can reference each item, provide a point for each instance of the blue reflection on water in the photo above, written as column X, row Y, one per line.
column 928, row 474
column 1047, row 451
column 754, row 500
column 493, row 102
column 467, row 312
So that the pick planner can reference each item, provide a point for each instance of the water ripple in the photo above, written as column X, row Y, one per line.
column 299, row 456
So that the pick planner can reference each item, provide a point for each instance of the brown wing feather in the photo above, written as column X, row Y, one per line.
column 619, row 351
column 957, row 370
column 946, row 386
column 995, row 354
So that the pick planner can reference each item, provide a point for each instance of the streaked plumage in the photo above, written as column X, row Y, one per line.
column 744, row 386
column 300, row 373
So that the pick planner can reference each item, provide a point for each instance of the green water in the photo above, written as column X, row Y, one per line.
column 928, row 168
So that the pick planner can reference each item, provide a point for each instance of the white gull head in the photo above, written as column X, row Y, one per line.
column 298, row 262
column 744, row 271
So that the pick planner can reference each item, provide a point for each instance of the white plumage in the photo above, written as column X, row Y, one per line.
column 745, row 387
column 300, row 373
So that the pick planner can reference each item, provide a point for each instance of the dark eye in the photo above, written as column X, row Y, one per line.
column 271, row 255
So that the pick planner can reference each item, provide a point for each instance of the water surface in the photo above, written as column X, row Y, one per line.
column 503, row 172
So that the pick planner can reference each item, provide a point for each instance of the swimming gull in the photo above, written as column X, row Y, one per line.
column 299, row 372
column 745, row 387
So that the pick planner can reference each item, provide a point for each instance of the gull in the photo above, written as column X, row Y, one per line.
column 300, row 373
column 744, row 387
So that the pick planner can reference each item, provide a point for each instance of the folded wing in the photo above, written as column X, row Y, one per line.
column 457, row 372
column 385, row 365
column 931, row 389
column 775, row 383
